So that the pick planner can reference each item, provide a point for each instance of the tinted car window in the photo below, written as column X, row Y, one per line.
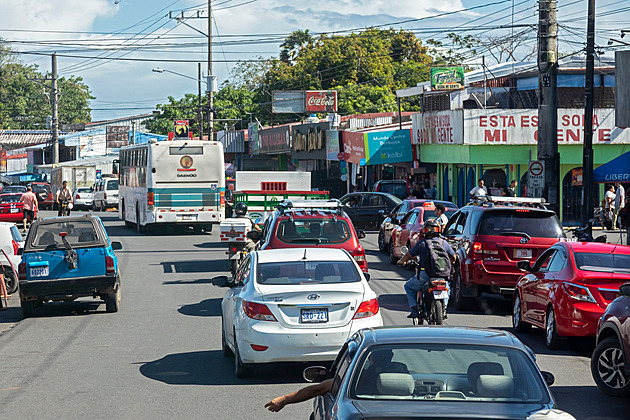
column 325, row 231
column 84, row 190
column 10, row 198
column 558, row 263
column 590, row 261
column 399, row 190
column 307, row 272
column 539, row 224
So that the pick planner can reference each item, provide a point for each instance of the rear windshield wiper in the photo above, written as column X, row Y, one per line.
column 523, row 234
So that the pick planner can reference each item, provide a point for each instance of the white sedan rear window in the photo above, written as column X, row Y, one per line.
column 307, row 272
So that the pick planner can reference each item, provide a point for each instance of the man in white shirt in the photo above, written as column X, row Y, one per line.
column 442, row 219
column 609, row 204
column 479, row 191
column 620, row 198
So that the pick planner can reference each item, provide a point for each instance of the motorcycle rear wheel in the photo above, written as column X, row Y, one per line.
column 436, row 317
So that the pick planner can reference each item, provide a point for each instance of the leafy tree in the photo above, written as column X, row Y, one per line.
column 290, row 48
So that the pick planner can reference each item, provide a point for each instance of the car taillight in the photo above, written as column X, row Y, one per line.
column 22, row 271
column 233, row 250
column 78, row 197
column 16, row 246
column 258, row 311
column 359, row 256
column 104, row 196
column 484, row 248
column 150, row 199
column 110, row 269
column 578, row 292
column 367, row 309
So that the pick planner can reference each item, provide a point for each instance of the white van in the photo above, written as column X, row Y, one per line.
column 105, row 194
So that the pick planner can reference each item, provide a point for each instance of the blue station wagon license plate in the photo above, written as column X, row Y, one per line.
column 39, row 271
column 314, row 315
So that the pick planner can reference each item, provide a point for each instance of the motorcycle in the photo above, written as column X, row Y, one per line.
column 430, row 301
column 583, row 233
column 66, row 206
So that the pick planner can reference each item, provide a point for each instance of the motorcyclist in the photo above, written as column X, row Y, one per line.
column 240, row 210
column 431, row 230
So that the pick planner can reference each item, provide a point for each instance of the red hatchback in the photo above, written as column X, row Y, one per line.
column 313, row 227
column 409, row 232
column 11, row 208
column 568, row 288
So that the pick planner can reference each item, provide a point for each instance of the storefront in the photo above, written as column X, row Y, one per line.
column 498, row 145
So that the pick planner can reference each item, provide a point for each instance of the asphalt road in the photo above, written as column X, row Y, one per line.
column 160, row 356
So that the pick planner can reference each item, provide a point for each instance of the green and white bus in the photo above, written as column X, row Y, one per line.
column 179, row 182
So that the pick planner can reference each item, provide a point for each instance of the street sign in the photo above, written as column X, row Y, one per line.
column 536, row 178
column 343, row 170
column 344, row 177
column 98, row 174
column 341, row 156
column 181, row 129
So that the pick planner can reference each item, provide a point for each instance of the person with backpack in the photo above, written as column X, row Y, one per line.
column 436, row 259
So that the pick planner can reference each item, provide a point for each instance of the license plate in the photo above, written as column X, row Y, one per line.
column 314, row 315
column 39, row 271
column 440, row 294
column 522, row 253
column 15, row 210
column 188, row 217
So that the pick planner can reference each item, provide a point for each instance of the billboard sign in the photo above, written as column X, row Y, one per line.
column 447, row 78
column 182, row 129
column 275, row 140
column 388, row 147
column 321, row 101
column 252, row 139
column 441, row 127
column 353, row 146
column 332, row 145
column 287, row 101
column 116, row 136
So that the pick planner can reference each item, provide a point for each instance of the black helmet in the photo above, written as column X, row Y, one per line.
column 431, row 228
column 240, row 209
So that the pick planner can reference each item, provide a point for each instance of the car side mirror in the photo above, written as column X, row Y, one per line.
column 360, row 234
column 116, row 246
column 524, row 265
column 367, row 276
column 624, row 289
column 549, row 378
column 220, row 281
column 20, row 251
column 254, row 235
column 315, row 374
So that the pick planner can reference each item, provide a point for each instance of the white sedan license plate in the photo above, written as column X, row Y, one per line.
column 39, row 271
column 15, row 210
column 440, row 294
column 522, row 253
column 314, row 315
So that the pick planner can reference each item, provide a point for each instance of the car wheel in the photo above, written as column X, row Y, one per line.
column 552, row 339
column 607, row 368
column 240, row 369
column 10, row 281
column 227, row 352
column 28, row 308
column 460, row 302
column 382, row 246
column 517, row 317
column 112, row 301
column 392, row 258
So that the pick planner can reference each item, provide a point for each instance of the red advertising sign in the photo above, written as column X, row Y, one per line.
column 321, row 101
column 353, row 146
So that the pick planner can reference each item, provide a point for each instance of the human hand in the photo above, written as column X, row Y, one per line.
column 275, row 405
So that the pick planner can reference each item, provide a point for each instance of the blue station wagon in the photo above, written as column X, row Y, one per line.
column 65, row 258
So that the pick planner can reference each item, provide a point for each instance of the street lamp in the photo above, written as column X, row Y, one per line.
column 198, row 79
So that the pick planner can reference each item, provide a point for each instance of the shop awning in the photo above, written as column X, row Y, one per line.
column 617, row 170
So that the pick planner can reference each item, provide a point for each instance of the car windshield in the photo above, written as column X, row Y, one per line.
column 521, row 222
column 77, row 233
column 10, row 198
column 450, row 372
column 397, row 189
column 112, row 185
column 307, row 272
column 14, row 189
column 608, row 263
column 312, row 230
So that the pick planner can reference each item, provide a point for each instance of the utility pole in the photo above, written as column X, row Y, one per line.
column 210, row 78
column 548, row 101
column 587, row 164
column 199, row 96
column 55, row 117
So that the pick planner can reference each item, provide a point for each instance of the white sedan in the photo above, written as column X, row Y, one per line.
column 294, row 305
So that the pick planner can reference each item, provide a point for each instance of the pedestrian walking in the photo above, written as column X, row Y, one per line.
column 620, row 203
column 30, row 206
column 609, row 204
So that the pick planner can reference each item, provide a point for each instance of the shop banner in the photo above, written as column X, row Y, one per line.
column 520, row 126
column 447, row 78
column 332, row 144
column 252, row 139
column 275, row 140
column 388, row 147
column 442, row 127
column 353, row 146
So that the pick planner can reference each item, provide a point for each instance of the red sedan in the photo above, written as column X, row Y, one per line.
column 11, row 208
column 568, row 288
column 409, row 231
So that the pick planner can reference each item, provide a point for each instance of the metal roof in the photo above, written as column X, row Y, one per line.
column 23, row 137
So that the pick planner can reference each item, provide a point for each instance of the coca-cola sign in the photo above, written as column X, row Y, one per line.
column 321, row 101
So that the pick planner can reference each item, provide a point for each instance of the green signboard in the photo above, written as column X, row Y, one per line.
column 447, row 78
